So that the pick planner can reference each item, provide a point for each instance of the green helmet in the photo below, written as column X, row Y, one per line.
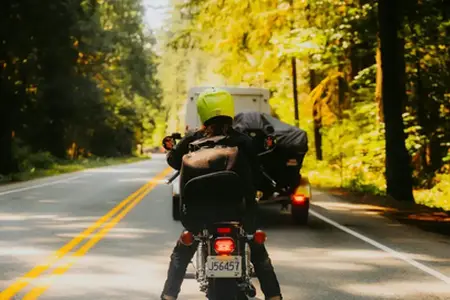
column 215, row 102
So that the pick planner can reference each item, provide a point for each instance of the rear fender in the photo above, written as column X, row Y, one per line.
column 226, row 288
column 304, row 188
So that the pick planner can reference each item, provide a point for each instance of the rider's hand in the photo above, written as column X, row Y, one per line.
column 259, row 195
column 168, row 143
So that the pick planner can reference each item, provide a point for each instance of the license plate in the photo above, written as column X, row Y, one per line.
column 224, row 266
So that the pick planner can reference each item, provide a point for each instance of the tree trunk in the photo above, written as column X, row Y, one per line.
column 7, row 101
column 7, row 163
column 317, row 117
column 398, row 169
column 8, row 115
column 421, row 96
column 294, row 91
column 379, row 81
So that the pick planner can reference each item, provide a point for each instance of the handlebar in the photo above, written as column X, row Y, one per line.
column 177, row 173
column 266, row 152
column 272, row 182
column 173, row 177
column 177, row 136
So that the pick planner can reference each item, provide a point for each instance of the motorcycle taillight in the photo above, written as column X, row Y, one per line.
column 224, row 245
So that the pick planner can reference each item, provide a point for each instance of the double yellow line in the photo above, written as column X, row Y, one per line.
column 110, row 219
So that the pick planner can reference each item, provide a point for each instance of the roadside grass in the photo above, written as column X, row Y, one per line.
column 324, row 177
column 57, row 167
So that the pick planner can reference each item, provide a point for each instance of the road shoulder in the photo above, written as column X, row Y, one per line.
column 386, row 225
column 426, row 218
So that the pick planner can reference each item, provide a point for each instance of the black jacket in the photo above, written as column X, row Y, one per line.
column 245, row 146
column 242, row 141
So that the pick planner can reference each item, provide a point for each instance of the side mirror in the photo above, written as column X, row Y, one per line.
column 269, row 129
column 168, row 143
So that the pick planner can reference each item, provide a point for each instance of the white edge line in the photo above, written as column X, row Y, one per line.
column 391, row 251
column 42, row 185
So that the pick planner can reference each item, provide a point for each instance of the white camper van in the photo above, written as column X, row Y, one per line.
column 245, row 98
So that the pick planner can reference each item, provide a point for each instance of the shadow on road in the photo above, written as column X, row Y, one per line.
column 316, row 261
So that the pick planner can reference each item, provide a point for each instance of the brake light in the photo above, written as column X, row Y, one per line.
column 298, row 198
column 260, row 237
column 187, row 238
column 224, row 230
column 224, row 246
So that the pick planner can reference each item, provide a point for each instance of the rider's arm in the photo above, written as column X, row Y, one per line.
column 175, row 156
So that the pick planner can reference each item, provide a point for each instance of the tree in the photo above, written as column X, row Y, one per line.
column 76, row 75
column 398, row 170
column 340, row 79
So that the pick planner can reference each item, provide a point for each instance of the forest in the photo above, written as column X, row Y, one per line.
column 77, row 79
column 372, row 80
column 87, row 78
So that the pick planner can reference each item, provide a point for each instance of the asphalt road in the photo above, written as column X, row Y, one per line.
column 345, row 252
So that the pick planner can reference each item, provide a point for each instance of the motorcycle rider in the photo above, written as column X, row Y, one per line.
column 216, row 110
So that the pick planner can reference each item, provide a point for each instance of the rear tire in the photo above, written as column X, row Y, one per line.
column 224, row 289
column 300, row 214
column 176, row 207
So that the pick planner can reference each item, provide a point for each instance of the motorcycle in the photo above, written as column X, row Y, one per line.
column 222, row 262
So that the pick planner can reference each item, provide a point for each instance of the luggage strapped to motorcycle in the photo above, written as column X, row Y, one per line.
column 211, row 167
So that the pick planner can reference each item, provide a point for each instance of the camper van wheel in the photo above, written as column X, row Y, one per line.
column 176, row 207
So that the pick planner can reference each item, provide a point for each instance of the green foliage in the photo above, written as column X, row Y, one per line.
column 251, row 43
column 428, row 58
column 40, row 160
column 77, row 77
column 354, row 148
column 438, row 196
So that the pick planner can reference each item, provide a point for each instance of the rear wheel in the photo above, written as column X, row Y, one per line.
column 300, row 214
column 224, row 289
column 176, row 207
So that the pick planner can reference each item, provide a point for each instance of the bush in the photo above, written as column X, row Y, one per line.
column 41, row 160
column 28, row 161
column 438, row 196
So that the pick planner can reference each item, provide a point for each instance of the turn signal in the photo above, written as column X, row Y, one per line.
column 260, row 237
column 187, row 238
column 224, row 246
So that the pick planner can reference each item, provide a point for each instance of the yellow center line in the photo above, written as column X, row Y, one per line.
column 23, row 282
column 39, row 290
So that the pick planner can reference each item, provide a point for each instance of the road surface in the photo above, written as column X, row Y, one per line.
column 81, row 236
